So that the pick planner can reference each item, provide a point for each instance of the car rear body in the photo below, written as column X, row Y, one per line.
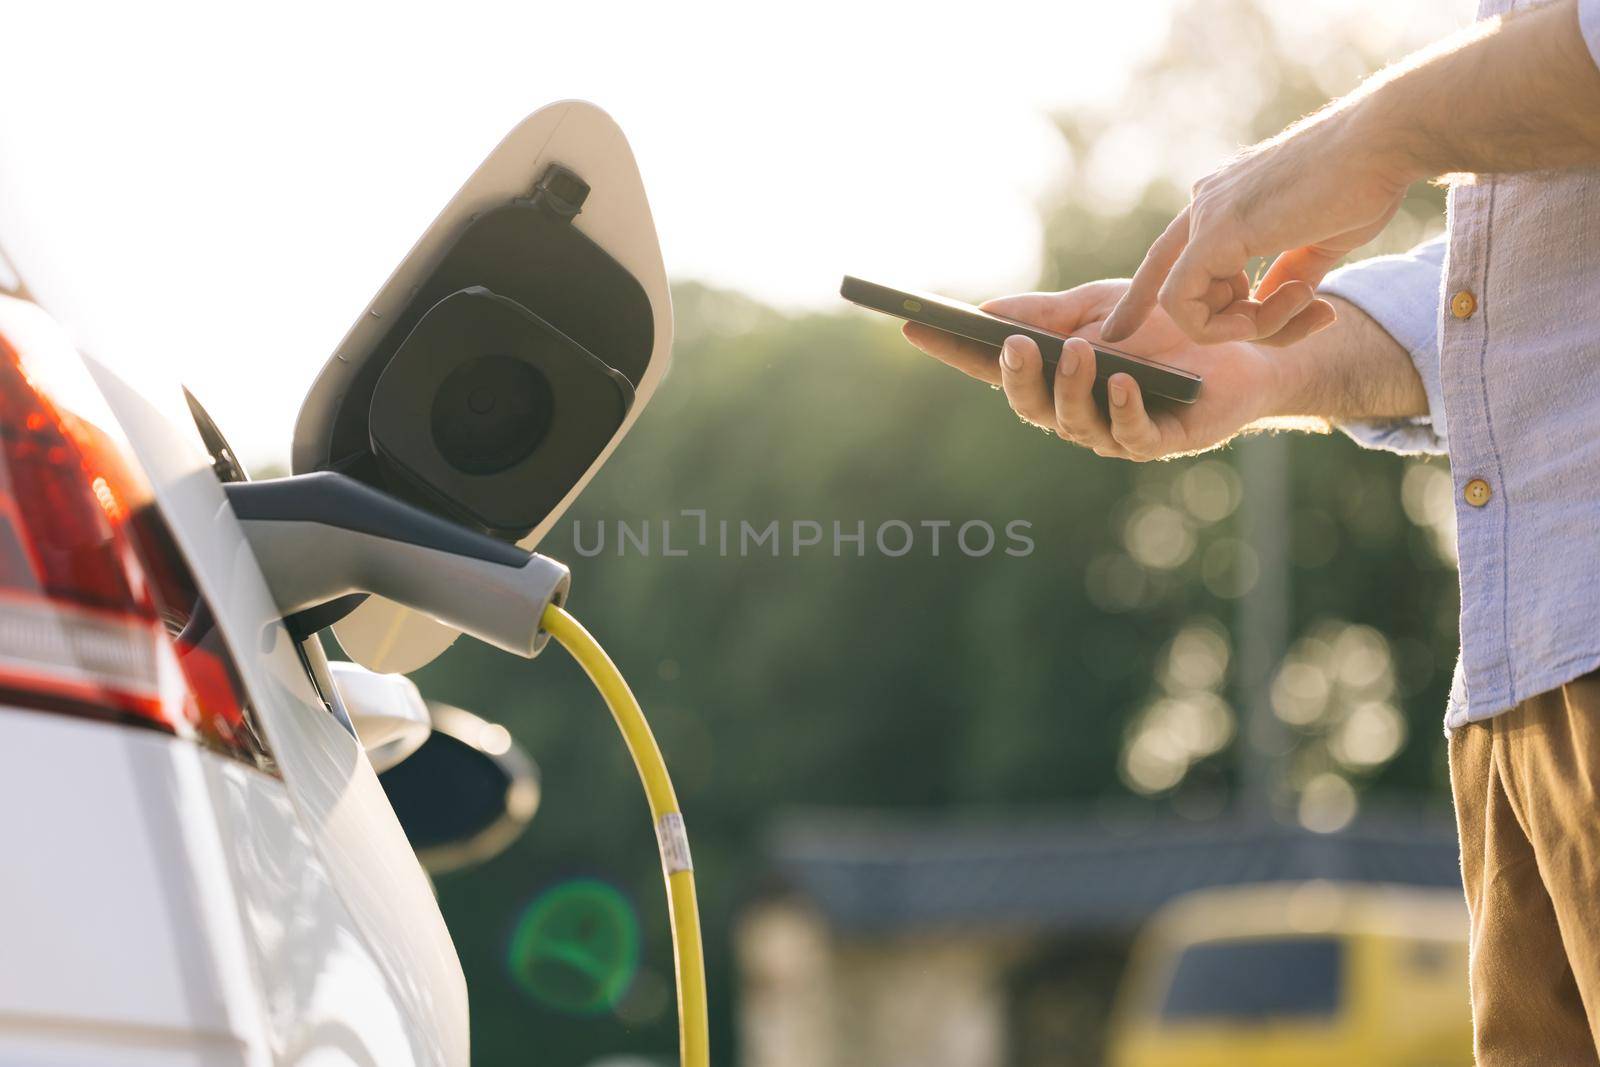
column 201, row 867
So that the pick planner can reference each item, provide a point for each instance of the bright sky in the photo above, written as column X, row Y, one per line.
column 224, row 191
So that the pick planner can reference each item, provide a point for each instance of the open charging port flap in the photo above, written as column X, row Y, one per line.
column 496, row 370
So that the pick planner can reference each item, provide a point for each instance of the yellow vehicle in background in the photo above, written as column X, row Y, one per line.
column 1304, row 974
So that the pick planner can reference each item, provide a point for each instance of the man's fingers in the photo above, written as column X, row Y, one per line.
column 1219, row 295
column 1307, row 265
column 1318, row 315
column 1240, row 284
column 1184, row 293
column 1207, row 329
column 968, row 357
column 1131, row 425
column 1078, row 417
column 1277, row 310
column 1022, row 377
column 1135, row 305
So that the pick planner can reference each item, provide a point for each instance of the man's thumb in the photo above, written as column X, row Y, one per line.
column 1308, row 264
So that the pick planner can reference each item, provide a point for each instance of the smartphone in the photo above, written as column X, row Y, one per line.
column 964, row 320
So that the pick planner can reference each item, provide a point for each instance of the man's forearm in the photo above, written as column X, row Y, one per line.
column 1513, row 94
column 1351, row 371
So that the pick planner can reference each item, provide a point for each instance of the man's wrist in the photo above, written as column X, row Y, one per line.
column 1384, row 139
column 1291, row 389
column 1283, row 400
column 1353, row 370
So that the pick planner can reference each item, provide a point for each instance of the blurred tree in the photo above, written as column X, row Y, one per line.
column 1097, row 664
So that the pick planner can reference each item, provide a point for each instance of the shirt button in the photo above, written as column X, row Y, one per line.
column 1463, row 304
column 1477, row 492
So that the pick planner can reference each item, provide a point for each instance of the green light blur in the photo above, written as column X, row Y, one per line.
column 576, row 947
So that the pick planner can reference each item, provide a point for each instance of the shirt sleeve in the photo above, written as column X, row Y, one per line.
column 1589, row 25
column 1401, row 293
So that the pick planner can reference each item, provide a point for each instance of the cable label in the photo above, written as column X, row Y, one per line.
column 673, row 840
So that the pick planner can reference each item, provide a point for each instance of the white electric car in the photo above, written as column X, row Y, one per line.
column 198, row 863
column 178, row 889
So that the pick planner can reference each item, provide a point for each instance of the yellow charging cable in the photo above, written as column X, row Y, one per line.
column 694, row 1042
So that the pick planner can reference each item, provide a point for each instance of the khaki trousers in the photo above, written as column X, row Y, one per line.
column 1527, row 800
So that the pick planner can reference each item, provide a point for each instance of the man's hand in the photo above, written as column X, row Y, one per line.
column 1353, row 371
column 1243, row 382
column 1314, row 190
column 1509, row 95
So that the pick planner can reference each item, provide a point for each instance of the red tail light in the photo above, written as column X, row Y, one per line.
column 100, row 615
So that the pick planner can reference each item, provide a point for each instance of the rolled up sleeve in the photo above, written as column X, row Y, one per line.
column 1589, row 24
column 1402, row 294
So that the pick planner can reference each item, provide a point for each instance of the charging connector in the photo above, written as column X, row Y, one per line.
column 322, row 539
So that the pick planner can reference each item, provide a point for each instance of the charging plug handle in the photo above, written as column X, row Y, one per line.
column 324, row 536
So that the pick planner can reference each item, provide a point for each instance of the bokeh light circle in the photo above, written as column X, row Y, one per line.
column 575, row 947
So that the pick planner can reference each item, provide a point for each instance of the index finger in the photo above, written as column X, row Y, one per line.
column 1137, row 302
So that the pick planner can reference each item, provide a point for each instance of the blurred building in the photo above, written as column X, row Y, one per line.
column 971, row 942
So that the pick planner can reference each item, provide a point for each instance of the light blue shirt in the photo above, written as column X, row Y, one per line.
column 1512, row 374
